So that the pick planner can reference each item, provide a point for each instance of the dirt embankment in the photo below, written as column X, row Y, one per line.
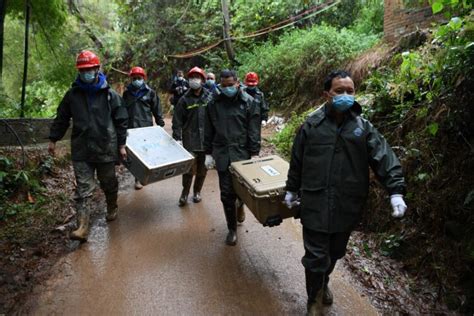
column 35, row 221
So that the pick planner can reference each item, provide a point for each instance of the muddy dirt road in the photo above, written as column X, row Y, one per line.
column 160, row 259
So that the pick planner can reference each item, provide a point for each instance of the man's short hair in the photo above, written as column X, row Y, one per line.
column 227, row 73
column 335, row 74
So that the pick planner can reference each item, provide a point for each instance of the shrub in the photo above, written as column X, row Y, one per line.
column 298, row 63
column 284, row 139
column 44, row 98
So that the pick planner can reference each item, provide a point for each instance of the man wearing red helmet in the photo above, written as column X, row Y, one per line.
column 143, row 104
column 188, row 128
column 99, row 131
column 251, row 87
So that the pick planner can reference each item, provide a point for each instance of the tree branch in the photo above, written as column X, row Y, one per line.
column 77, row 13
column 183, row 15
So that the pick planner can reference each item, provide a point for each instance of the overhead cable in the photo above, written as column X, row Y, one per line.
column 272, row 28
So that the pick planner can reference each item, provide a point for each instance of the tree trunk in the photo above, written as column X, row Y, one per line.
column 226, row 29
column 25, row 63
column 3, row 11
column 77, row 13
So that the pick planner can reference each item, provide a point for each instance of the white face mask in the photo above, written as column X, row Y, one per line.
column 138, row 83
column 88, row 76
column 195, row 83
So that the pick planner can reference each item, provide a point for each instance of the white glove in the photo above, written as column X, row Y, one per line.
column 264, row 123
column 398, row 205
column 180, row 142
column 209, row 162
column 291, row 199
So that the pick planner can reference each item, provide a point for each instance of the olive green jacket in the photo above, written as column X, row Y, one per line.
column 99, row 123
column 142, row 106
column 260, row 101
column 188, row 119
column 330, row 168
column 232, row 129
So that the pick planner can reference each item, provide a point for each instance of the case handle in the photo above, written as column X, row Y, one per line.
column 170, row 173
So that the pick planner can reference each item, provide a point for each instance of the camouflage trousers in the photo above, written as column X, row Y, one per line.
column 86, row 184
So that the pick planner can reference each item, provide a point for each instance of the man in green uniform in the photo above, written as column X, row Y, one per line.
column 188, row 129
column 143, row 104
column 329, row 170
column 98, row 137
column 232, row 133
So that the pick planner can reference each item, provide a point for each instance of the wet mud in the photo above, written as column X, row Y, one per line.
column 159, row 258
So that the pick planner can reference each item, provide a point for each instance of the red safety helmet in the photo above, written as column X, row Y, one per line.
column 137, row 71
column 251, row 79
column 87, row 59
column 197, row 70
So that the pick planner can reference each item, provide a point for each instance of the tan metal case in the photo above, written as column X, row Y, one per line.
column 153, row 155
column 260, row 184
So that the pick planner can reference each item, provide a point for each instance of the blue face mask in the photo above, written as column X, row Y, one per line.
column 87, row 76
column 342, row 102
column 210, row 82
column 229, row 91
column 138, row 83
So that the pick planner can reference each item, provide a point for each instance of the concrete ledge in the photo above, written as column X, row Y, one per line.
column 29, row 131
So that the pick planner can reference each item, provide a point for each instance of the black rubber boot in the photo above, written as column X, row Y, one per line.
column 314, row 285
column 315, row 308
column 327, row 294
column 138, row 185
column 183, row 199
column 231, row 218
column 187, row 180
column 198, row 183
column 231, row 238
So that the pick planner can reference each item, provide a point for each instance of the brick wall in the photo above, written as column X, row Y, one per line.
column 30, row 131
column 399, row 20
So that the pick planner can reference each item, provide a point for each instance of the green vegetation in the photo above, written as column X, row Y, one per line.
column 284, row 139
column 17, row 183
column 451, row 6
column 426, row 73
column 301, row 58
column 420, row 98
column 124, row 33
column 25, row 207
column 55, row 39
